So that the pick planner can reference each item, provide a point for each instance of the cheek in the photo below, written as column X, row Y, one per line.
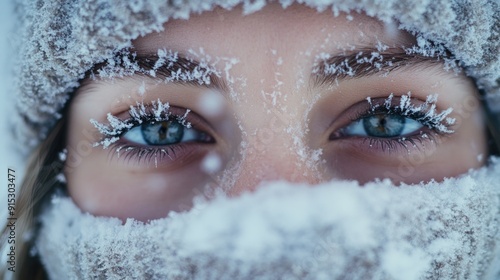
column 102, row 187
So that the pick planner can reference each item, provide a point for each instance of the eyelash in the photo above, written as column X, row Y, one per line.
column 391, row 144
column 140, row 114
column 435, row 124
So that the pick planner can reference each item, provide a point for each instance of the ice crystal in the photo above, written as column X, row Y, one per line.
column 426, row 113
column 116, row 126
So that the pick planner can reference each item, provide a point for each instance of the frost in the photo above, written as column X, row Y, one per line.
column 116, row 126
column 355, row 61
column 426, row 113
column 183, row 119
column 334, row 230
column 427, row 48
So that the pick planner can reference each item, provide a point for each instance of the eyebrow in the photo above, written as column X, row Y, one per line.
column 331, row 69
column 179, row 70
column 368, row 62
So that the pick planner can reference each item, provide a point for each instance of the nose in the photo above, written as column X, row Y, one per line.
column 272, row 163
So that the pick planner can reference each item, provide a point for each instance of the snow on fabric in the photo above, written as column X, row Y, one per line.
column 336, row 230
column 64, row 39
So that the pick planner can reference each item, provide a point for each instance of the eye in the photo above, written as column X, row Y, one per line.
column 164, row 133
column 383, row 125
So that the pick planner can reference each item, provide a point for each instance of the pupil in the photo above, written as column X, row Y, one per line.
column 162, row 133
column 383, row 125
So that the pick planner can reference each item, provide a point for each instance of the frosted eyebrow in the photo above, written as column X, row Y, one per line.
column 148, row 62
column 367, row 62
column 176, row 69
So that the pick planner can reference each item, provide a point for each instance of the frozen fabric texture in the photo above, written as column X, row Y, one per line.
column 61, row 40
column 336, row 230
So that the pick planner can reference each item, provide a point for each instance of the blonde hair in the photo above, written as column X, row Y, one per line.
column 38, row 184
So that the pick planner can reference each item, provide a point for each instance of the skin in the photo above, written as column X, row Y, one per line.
column 280, row 132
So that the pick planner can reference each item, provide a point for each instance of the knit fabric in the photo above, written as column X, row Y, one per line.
column 62, row 40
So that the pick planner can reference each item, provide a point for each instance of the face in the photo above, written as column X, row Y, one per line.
column 224, row 102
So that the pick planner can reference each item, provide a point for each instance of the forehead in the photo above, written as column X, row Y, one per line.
column 294, row 29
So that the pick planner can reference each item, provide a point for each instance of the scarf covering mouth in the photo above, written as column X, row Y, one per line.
column 60, row 41
column 335, row 230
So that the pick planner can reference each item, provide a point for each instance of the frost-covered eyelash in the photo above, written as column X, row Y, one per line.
column 425, row 113
column 156, row 112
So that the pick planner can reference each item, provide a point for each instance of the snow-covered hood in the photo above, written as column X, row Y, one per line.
column 61, row 40
column 336, row 230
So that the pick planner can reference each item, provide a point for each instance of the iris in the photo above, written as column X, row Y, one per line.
column 384, row 125
column 162, row 133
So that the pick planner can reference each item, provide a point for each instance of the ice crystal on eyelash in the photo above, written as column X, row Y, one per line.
column 369, row 100
column 160, row 109
column 430, row 118
column 182, row 120
column 116, row 126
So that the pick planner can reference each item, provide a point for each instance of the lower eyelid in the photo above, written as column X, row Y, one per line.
column 170, row 157
column 425, row 139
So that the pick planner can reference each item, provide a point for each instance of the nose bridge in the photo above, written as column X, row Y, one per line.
column 275, row 159
column 271, row 115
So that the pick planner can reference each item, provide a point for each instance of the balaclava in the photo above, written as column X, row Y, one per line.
column 336, row 230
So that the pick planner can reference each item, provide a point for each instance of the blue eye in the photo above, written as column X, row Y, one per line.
column 163, row 133
column 383, row 125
